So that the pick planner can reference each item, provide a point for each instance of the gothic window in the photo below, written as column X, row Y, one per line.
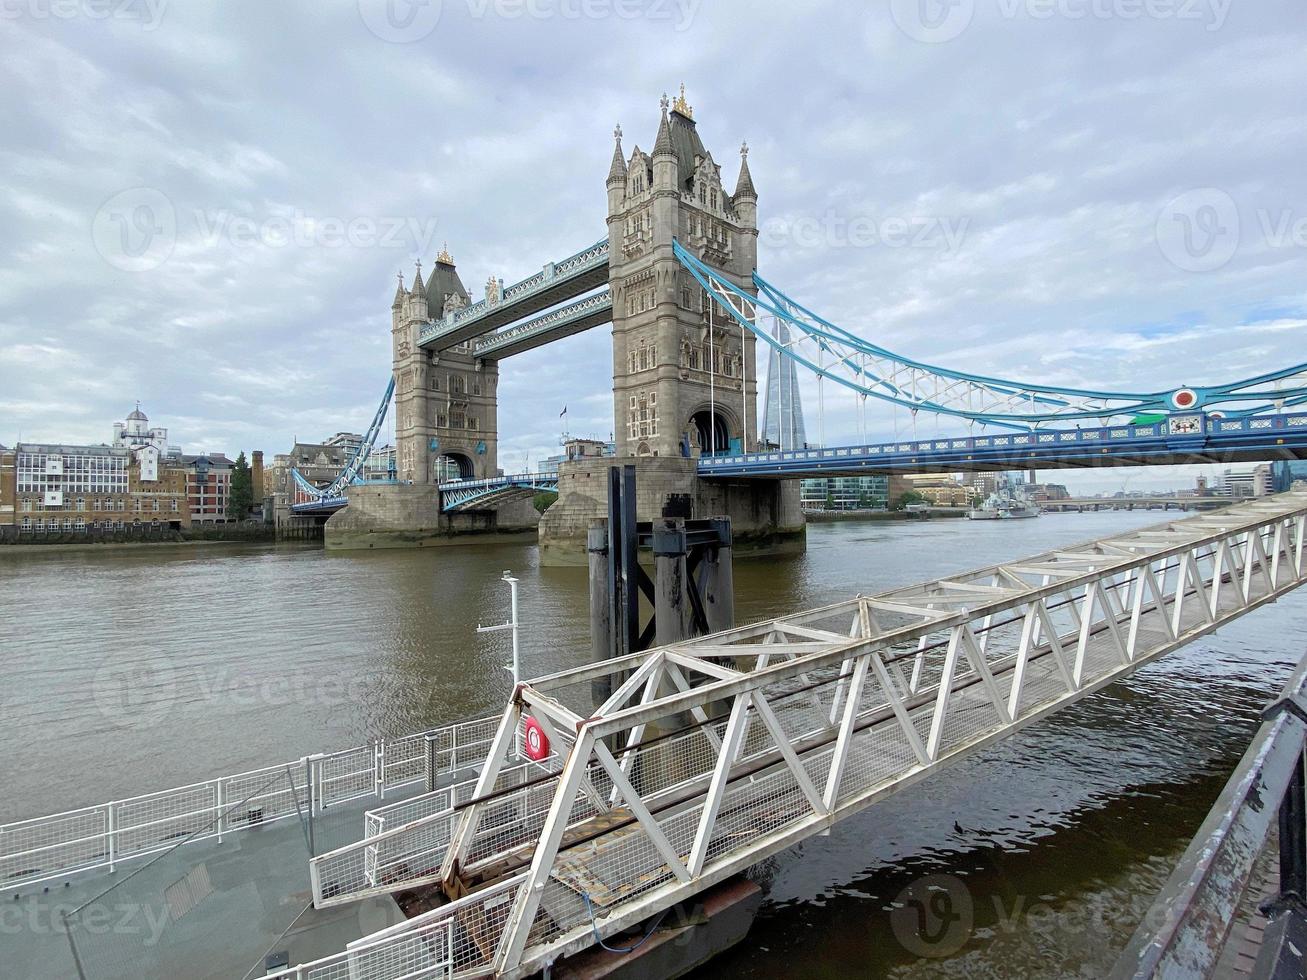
column 476, row 387
column 472, row 422
column 435, row 383
column 440, row 420
column 712, row 197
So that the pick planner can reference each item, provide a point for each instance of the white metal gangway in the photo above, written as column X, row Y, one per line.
column 715, row 753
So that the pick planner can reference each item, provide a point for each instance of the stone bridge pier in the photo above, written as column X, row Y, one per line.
column 765, row 515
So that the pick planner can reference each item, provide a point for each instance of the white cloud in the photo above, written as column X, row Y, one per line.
column 1056, row 144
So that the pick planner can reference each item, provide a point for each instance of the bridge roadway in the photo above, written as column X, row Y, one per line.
column 1181, row 439
column 458, row 495
column 1219, row 440
column 715, row 753
column 1134, row 503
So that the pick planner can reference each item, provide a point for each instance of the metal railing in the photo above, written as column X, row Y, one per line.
column 965, row 450
column 773, row 732
column 104, row 835
column 1190, row 922
column 591, row 257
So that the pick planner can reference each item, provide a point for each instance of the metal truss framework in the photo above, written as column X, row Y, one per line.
column 545, row 329
column 832, row 352
column 353, row 469
column 556, row 282
column 477, row 494
column 715, row 753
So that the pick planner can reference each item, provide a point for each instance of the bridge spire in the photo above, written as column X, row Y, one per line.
column 617, row 172
column 663, row 145
column 418, row 288
column 400, row 292
column 744, row 188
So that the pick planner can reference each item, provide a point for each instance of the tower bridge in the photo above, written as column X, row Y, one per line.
column 676, row 277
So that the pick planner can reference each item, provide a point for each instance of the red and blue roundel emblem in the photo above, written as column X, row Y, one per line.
column 1184, row 399
column 537, row 742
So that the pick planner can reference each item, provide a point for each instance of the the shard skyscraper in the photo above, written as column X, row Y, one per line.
column 782, row 411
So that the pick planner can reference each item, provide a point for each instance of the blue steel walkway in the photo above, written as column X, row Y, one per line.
column 1180, row 439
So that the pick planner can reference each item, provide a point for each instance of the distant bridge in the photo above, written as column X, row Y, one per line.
column 1179, row 439
column 1136, row 503
column 455, row 495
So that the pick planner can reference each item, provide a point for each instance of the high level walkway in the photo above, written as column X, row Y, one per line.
column 713, row 754
column 555, row 283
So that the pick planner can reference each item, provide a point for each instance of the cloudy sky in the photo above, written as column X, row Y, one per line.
column 1106, row 193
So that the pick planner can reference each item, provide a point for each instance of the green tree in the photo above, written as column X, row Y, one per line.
column 240, row 492
column 911, row 497
column 543, row 500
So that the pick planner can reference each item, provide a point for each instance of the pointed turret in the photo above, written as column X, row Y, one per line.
column 400, row 293
column 744, row 189
column 663, row 145
column 617, row 172
column 418, row 288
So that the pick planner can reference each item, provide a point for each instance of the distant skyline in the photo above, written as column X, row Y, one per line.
column 206, row 207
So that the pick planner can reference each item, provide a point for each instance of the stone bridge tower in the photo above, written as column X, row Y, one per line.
column 446, row 418
column 683, row 377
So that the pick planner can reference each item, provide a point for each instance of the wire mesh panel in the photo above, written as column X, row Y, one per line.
column 711, row 755
column 346, row 775
column 191, row 908
column 88, row 838
column 35, row 849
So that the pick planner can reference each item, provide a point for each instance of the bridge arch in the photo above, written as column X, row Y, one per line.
column 713, row 427
column 454, row 466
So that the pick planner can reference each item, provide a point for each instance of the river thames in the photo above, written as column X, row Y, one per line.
column 137, row 669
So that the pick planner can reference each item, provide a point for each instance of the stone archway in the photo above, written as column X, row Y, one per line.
column 454, row 466
column 712, row 431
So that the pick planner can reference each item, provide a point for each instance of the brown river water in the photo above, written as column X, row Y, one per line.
column 1037, row 857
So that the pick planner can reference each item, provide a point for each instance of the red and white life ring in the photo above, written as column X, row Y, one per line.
column 536, row 741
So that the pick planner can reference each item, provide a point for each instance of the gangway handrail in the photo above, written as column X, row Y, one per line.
column 1189, row 923
column 103, row 835
column 879, row 703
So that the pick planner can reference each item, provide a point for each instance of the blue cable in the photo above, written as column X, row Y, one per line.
column 594, row 927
